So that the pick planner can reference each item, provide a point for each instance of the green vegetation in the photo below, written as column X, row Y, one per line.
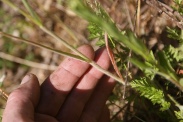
column 157, row 86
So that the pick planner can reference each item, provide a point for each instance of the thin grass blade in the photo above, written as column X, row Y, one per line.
column 31, row 11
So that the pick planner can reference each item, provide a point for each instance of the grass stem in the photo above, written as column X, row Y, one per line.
column 26, row 62
column 83, row 57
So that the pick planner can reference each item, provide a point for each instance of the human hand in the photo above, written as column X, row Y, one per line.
column 74, row 92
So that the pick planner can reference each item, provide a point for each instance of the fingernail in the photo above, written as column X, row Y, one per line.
column 25, row 79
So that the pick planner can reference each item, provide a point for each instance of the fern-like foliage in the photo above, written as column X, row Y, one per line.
column 174, row 55
column 179, row 6
column 146, row 89
column 179, row 115
column 95, row 30
column 159, row 63
column 175, row 34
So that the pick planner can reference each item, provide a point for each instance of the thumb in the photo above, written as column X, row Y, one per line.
column 22, row 101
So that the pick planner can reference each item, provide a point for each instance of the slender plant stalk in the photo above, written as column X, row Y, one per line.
column 127, row 74
column 92, row 63
column 67, row 29
column 128, row 16
column 30, row 10
column 42, row 46
column 86, row 59
column 173, row 100
column 26, row 62
column 22, row 12
column 65, row 43
column 181, row 34
column 175, row 82
column 138, row 18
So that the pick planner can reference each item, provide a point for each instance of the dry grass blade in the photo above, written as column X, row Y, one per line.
column 3, row 94
column 173, row 15
column 26, row 62
column 138, row 18
column 111, row 56
column 128, row 16
column 67, row 29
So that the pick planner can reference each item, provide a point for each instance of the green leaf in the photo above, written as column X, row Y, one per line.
column 149, row 91
column 175, row 34
column 138, row 47
column 181, row 81
column 178, row 1
column 165, row 66
column 179, row 115
column 148, row 69
column 100, row 43
column 139, row 64
column 108, row 26
column 95, row 31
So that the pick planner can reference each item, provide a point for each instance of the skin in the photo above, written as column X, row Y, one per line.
column 75, row 92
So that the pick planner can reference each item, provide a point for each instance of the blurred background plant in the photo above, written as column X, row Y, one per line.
column 144, row 40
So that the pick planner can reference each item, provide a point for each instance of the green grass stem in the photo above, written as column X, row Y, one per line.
column 32, row 13
column 82, row 57
column 42, row 46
